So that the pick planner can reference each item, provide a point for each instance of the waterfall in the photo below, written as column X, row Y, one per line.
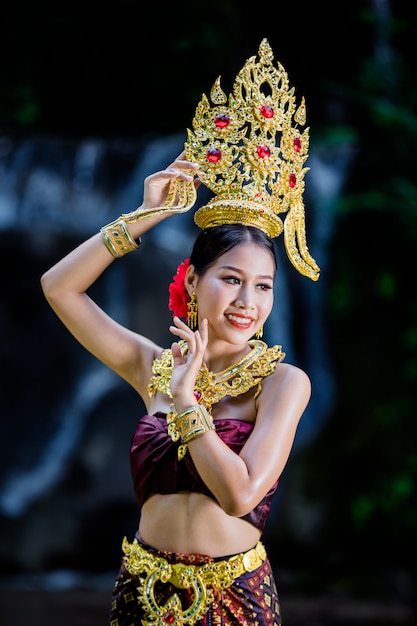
column 22, row 488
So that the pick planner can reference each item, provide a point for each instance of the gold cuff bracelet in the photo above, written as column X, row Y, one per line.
column 118, row 239
column 192, row 422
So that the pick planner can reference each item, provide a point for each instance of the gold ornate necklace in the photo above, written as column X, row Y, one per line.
column 233, row 381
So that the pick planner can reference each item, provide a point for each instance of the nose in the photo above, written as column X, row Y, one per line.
column 244, row 299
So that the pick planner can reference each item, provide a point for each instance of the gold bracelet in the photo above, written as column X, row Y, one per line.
column 192, row 422
column 118, row 239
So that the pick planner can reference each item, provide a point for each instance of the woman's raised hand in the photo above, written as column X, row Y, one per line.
column 186, row 368
column 157, row 185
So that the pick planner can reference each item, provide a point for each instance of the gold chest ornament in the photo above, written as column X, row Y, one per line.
column 211, row 387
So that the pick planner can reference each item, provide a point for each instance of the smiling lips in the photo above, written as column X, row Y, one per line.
column 240, row 321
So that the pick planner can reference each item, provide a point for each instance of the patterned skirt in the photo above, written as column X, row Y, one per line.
column 251, row 600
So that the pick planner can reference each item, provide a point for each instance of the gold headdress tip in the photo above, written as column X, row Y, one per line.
column 223, row 211
column 304, row 263
column 309, row 269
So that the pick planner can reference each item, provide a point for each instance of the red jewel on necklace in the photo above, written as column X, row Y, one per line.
column 169, row 618
column 197, row 394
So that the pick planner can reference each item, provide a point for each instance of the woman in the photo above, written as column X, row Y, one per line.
column 222, row 412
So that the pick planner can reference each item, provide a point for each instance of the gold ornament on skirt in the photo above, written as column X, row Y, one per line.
column 201, row 583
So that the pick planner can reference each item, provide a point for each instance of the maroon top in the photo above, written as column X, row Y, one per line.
column 155, row 467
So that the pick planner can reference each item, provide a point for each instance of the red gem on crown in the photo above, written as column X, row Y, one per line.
column 222, row 120
column 263, row 152
column 297, row 144
column 267, row 111
column 213, row 155
column 197, row 394
column 169, row 618
column 292, row 180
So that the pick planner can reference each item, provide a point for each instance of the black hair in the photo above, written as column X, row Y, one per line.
column 213, row 242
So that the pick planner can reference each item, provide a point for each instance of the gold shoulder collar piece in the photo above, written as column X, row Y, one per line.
column 233, row 381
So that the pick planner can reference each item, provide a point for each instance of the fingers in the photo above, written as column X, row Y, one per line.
column 201, row 338
column 182, row 170
column 196, row 340
column 177, row 354
column 186, row 369
column 176, row 170
column 156, row 185
column 181, row 330
column 182, row 163
column 204, row 331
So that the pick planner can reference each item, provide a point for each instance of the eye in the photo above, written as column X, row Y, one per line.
column 264, row 286
column 232, row 280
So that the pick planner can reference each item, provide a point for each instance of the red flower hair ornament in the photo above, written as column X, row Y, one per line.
column 178, row 296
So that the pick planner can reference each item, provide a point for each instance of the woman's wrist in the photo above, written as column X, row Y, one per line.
column 183, row 404
column 123, row 235
column 193, row 421
column 118, row 238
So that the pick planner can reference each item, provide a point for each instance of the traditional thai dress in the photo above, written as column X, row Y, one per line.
column 247, row 598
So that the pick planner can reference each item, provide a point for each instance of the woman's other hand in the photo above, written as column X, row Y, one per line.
column 186, row 368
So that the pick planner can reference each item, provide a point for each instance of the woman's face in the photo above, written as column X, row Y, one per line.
column 236, row 293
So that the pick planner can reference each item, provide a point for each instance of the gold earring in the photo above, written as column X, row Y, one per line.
column 259, row 333
column 192, row 312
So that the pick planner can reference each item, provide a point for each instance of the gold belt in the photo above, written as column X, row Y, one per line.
column 201, row 579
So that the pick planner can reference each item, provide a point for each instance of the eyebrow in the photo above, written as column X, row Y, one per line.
column 236, row 269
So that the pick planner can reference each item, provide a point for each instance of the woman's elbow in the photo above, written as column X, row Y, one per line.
column 46, row 282
column 50, row 286
column 238, row 505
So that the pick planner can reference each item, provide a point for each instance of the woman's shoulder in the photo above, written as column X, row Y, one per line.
column 285, row 394
column 287, row 375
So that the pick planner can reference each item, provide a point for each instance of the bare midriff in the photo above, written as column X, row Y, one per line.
column 192, row 523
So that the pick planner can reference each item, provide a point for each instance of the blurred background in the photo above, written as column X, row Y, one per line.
column 95, row 96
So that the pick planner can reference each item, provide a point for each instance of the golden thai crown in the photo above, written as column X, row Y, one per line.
column 251, row 154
